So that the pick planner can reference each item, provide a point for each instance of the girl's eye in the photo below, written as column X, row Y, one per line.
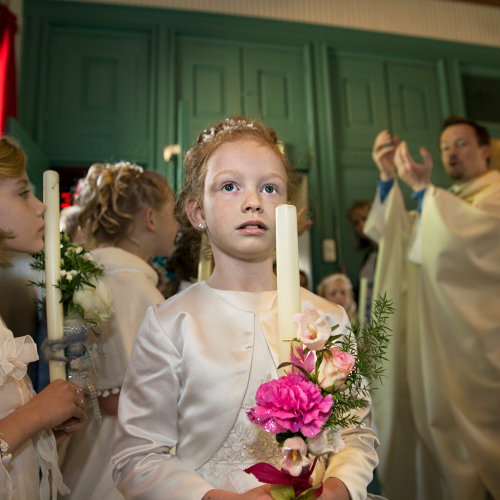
column 26, row 193
column 229, row 187
column 270, row 190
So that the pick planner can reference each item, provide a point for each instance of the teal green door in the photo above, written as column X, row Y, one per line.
column 220, row 79
column 416, row 111
column 209, row 82
column 274, row 90
column 97, row 97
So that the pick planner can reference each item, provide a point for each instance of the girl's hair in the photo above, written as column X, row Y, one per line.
column 112, row 194
column 232, row 129
column 12, row 164
column 345, row 279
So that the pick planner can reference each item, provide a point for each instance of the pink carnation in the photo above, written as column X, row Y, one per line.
column 291, row 403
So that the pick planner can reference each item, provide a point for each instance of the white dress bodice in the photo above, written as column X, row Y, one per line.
column 246, row 444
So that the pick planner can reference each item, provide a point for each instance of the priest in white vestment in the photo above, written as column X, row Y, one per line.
column 438, row 412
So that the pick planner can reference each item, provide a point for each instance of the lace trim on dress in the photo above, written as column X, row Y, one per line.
column 246, row 445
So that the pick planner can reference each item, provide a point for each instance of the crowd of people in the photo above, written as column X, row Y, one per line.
column 179, row 374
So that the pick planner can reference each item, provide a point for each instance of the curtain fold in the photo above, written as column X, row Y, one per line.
column 8, row 87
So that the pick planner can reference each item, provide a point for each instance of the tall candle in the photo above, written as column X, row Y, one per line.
column 205, row 266
column 287, row 267
column 363, row 287
column 57, row 369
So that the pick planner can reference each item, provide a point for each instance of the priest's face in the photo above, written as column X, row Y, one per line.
column 21, row 215
column 245, row 182
column 463, row 158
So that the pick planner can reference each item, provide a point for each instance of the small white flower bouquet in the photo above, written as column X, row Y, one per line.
column 86, row 303
column 82, row 292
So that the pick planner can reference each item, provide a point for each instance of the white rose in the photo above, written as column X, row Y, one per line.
column 327, row 441
column 95, row 302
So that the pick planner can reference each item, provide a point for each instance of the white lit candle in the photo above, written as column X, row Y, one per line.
column 363, row 288
column 205, row 266
column 55, row 313
column 287, row 267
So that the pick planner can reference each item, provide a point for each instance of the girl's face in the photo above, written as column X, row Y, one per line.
column 245, row 182
column 21, row 212
column 338, row 293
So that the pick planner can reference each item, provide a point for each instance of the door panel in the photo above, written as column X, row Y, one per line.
column 209, row 80
column 363, row 107
column 274, row 89
column 416, row 111
column 98, row 96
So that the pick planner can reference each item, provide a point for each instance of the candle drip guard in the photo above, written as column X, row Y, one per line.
column 80, row 355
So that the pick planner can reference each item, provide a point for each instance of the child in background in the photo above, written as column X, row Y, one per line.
column 200, row 356
column 127, row 215
column 28, row 467
column 69, row 224
column 337, row 288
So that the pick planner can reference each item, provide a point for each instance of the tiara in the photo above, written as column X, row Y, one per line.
column 131, row 166
column 228, row 125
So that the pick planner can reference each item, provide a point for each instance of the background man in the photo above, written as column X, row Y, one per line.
column 439, row 410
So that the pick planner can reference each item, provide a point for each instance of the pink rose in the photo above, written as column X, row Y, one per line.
column 335, row 369
column 291, row 403
column 313, row 328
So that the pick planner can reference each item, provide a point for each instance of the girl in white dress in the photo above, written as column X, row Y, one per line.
column 28, row 468
column 200, row 356
column 127, row 215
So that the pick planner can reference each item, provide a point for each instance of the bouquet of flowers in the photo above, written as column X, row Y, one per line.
column 86, row 303
column 308, row 407
column 82, row 292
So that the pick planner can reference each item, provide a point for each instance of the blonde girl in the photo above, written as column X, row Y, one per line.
column 337, row 288
column 28, row 468
column 200, row 356
column 126, row 214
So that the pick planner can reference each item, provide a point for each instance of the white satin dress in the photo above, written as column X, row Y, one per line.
column 197, row 362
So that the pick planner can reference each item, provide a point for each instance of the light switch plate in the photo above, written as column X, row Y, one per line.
column 329, row 250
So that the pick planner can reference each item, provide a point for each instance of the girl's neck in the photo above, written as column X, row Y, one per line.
column 133, row 247
column 243, row 276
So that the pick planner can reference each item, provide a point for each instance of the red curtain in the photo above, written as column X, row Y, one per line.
column 8, row 90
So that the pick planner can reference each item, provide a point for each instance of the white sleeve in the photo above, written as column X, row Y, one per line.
column 144, row 468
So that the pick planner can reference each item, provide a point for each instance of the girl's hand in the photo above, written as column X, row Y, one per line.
column 64, row 431
column 259, row 493
column 57, row 403
column 60, row 403
column 334, row 489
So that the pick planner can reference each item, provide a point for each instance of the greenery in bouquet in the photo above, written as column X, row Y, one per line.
column 82, row 292
column 330, row 378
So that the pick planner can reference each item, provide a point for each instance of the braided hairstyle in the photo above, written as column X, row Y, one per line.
column 112, row 194
column 233, row 129
column 12, row 164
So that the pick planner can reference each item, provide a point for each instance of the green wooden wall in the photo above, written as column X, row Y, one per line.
column 112, row 82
